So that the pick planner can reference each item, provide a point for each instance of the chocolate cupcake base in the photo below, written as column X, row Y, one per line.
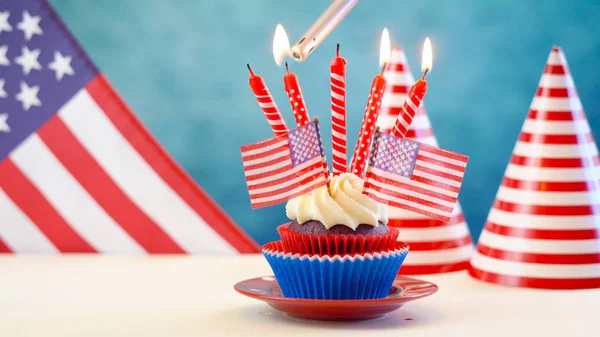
column 316, row 227
column 314, row 241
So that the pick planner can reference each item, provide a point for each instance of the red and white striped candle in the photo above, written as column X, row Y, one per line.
column 415, row 95
column 409, row 108
column 292, row 88
column 267, row 104
column 338, row 113
column 367, row 129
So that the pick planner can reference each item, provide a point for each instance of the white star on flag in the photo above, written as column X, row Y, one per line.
column 61, row 65
column 28, row 60
column 28, row 96
column 30, row 25
column 4, row 25
column 2, row 92
column 3, row 59
column 3, row 124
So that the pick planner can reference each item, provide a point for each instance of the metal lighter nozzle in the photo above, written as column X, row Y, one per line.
column 321, row 28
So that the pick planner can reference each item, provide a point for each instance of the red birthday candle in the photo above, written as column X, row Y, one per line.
column 338, row 113
column 409, row 108
column 367, row 129
column 267, row 104
column 292, row 88
column 415, row 96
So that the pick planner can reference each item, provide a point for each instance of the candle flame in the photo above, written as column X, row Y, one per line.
column 427, row 57
column 281, row 44
column 384, row 48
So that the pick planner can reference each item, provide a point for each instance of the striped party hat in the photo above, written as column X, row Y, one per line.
column 435, row 246
column 543, row 230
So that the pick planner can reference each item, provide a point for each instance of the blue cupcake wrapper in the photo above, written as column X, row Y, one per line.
column 366, row 276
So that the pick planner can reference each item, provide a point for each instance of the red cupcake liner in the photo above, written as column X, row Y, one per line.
column 277, row 247
column 335, row 244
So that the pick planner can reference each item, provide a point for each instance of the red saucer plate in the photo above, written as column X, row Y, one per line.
column 404, row 289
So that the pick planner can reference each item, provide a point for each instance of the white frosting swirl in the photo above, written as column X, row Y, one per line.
column 343, row 204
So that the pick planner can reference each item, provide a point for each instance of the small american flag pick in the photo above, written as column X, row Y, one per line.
column 414, row 176
column 284, row 167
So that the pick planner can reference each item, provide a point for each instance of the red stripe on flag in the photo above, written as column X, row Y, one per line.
column 555, row 69
column 3, row 247
column 444, row 153
column 94, row 179
column 551, row 186
column 543, row 234
column 283, row 179
column 425, row 223
column 260, row 145
column 264, row 154
column 294, row 195
column 571, row 210
column 434, row 172
column 556, row 115
column 145, row 144
column 556, row 92
column 532, row 282
column 435, row 183
column 556, row 139
column 538, row 258
column 267, row 163
column 37, row 208
column 405, row 186
column 433, row 268
column 409, row 208
column 555, row 162
column 284, row 189
column 435, row 245
column 423, row 157
column 266, row 174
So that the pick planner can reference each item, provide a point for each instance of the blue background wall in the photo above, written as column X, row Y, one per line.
column 181, row 66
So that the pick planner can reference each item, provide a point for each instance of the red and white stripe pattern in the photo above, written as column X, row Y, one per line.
column 269, row 108
column 398, row 83
column 543, row 230
column 406, row 116
column 284, row 167
column 413, row 176
column 338, row 123
column 92, row 179
column 435, row 246
column 79, row 172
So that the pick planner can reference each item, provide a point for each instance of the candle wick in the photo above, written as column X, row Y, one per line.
column 337, row 50
column 424, row 74
column 250, row 69
column 383, row 68
column 287, row 68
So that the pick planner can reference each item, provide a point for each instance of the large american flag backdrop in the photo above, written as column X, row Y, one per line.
column 78, row 171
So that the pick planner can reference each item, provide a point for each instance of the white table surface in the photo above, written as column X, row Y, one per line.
column 193, row 296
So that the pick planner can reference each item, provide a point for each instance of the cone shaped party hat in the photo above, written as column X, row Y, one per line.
column 543, row 230
column 435, row 246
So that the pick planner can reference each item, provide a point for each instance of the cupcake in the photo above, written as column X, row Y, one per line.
column 337, row 220
column 337, row 246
